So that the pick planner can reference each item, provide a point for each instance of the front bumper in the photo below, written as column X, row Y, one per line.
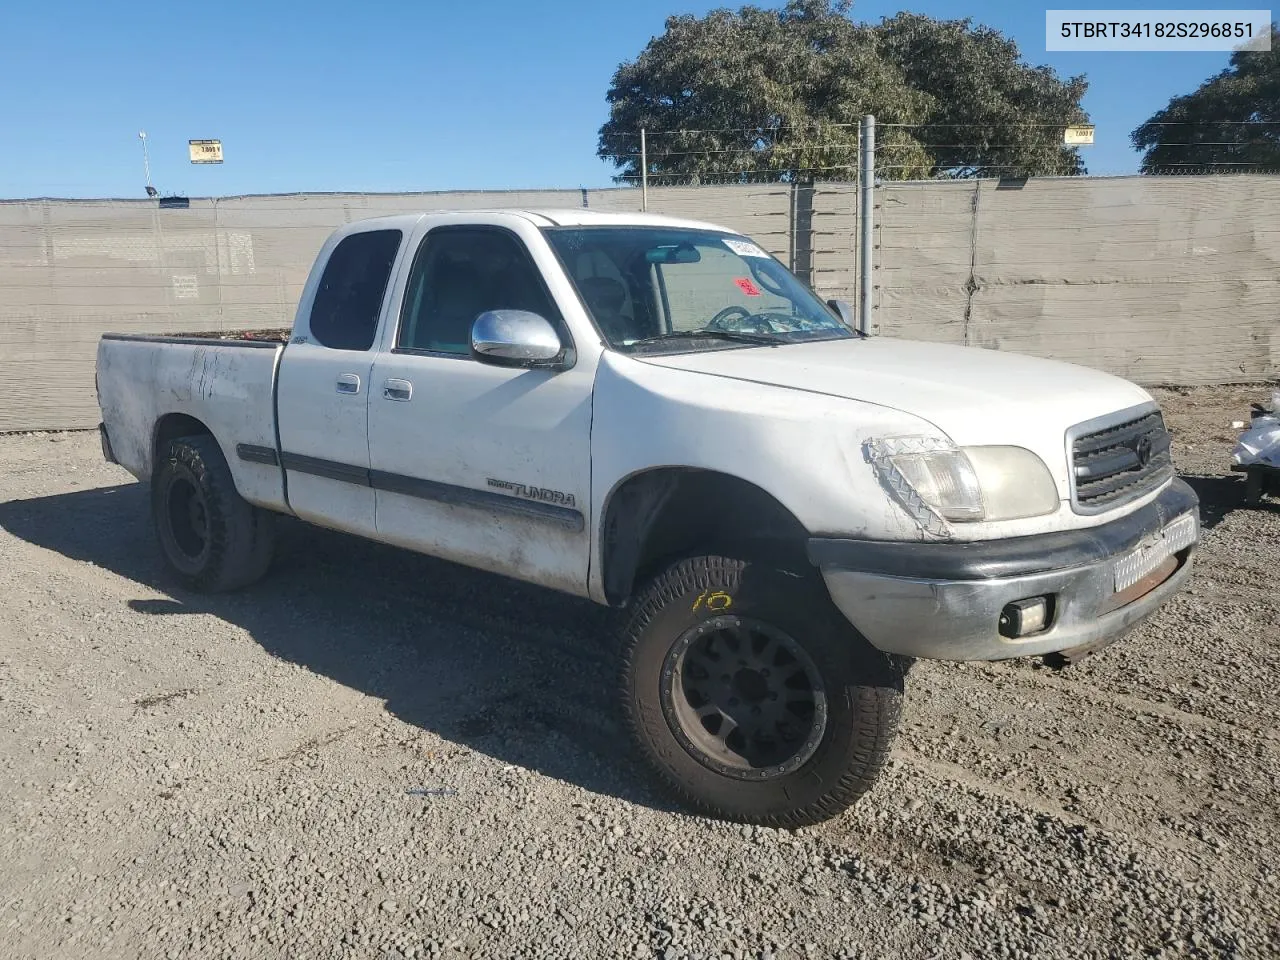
column 944, row 600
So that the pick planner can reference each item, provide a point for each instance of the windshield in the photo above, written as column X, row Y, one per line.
column 663, row 289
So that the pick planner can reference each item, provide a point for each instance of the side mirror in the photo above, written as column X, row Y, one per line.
column 515, row 338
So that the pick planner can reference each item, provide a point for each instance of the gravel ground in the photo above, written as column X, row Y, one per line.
column 373, row 754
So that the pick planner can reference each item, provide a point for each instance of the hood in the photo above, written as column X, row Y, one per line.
column 976, row 396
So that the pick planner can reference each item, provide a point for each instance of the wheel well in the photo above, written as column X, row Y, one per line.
column 174, row 425
column 660, row 516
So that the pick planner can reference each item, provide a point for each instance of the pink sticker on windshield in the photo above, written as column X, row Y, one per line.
column 746, row 286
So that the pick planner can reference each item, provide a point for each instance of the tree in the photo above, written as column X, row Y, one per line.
column 990, row 113
column 778, row 94
column 1230, row 124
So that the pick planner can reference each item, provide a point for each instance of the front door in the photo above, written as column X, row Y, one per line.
column 485, row 465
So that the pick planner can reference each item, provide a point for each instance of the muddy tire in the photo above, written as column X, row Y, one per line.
column 211, row 538
column 752, row 697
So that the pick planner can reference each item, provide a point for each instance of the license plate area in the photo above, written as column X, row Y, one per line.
column 1144, row 560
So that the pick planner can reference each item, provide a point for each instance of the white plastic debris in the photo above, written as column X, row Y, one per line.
column 1260, row 444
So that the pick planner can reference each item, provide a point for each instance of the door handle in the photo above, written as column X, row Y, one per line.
column 397, row 389
column 348, row 383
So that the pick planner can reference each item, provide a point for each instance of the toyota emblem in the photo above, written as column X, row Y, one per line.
column 1143, row 449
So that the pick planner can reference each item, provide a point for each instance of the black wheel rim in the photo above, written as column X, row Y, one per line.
column 188, row 518
column 744, row 698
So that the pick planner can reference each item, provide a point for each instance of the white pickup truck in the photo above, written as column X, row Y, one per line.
column 654, row 412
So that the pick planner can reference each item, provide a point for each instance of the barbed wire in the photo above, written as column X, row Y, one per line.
column 921, row 156
column 1198, row 123
column 1209, row 171
column 834, row 145
column 1108, row 174
column 822, row 124
column 771, row 178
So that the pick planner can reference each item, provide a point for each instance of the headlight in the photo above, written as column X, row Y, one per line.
column 936, row 481
column 1015, row 482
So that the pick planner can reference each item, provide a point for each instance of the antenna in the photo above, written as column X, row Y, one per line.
column 146, row 163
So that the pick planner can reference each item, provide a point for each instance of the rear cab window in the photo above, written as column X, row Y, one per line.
column 348, row 301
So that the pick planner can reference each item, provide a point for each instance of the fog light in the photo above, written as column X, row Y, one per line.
column 1024, row 617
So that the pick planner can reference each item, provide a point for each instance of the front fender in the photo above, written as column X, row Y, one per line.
column 803, row 449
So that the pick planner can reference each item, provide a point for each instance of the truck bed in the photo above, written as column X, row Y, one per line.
column 154, row 388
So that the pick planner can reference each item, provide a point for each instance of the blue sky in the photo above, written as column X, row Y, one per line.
column 396, row 96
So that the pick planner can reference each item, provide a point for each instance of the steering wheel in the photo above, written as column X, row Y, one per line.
column 749, row 322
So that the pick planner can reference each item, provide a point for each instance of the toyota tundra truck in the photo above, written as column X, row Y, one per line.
column 655, row 414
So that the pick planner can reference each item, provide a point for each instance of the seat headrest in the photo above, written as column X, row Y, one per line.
column 604, row 292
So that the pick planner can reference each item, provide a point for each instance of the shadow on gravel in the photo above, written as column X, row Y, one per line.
column 1221, row 495
column 522, row 674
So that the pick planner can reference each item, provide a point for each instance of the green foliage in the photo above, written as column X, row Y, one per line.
column 777, row 95
column 1231, row 124
column 989, row 113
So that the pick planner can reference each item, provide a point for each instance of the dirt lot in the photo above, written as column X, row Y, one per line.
column 183, row 776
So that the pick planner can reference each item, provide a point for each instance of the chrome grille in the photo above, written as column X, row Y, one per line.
column 1117, row 464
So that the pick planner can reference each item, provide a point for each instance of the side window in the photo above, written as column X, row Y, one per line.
column 345, row 313
column 458, row 274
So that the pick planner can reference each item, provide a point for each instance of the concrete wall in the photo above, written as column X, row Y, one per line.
column 1158, row 279
column 73, row 270
column 1163, row 280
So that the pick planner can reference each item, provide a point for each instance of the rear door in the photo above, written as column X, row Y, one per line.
column 323, row 383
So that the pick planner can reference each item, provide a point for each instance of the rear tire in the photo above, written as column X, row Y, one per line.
column 210, row 536
column 752, row 697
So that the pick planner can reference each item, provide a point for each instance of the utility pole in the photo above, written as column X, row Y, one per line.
column 146, row 163
column 867, row 178
column 644, row 173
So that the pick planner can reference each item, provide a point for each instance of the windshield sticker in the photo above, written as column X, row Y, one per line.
column 747, row 287
column 745, row 248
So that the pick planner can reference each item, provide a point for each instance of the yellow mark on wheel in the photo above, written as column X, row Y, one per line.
column 714, row 601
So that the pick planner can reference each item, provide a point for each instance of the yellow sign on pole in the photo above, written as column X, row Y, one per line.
column 1078, row 136
column 205, row 151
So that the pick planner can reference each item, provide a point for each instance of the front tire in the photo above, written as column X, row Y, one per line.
column 210, row 536
column 752, row 697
